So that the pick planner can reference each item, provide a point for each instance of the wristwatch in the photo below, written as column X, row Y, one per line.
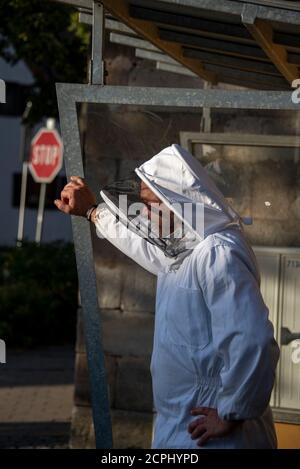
column 90, row 211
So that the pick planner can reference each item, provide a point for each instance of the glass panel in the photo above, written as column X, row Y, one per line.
column 262, row 183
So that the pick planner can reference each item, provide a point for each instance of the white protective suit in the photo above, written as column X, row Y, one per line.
column 213, row 342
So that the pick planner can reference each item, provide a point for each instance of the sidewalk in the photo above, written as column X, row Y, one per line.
column 36, row 398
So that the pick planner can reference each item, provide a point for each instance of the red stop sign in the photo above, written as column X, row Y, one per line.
column 46, row 155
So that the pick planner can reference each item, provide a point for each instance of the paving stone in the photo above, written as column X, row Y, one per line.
column 130, row 429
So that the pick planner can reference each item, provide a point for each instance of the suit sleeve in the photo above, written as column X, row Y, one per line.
column 242, row 334
column 147, row 255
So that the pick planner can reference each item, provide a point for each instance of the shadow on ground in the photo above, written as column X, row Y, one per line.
column 36, row 396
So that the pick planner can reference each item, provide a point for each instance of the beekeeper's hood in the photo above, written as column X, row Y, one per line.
column 183, row 185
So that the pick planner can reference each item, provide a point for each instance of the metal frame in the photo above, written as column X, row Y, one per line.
column 192, row 99
column 256, row 140
column 286, row 416
column 266, row 9
column 86, row 273
column 278, row 250
column 235, row 7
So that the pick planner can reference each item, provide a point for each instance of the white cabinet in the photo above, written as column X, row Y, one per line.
column 280, row 286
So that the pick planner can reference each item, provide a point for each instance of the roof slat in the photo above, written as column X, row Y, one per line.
column 285, row 39
column 203, row 42
column 244, row 76
column 232, row 61
column 190, row 22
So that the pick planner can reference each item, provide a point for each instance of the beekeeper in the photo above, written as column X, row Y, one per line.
column 214, row 354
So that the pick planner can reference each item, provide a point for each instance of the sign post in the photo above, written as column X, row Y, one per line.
column 45, row 161
column 40, row 215
column 24, row 138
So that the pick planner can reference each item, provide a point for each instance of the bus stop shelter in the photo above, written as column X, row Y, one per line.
column 250, row 44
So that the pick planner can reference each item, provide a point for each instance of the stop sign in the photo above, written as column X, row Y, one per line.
column 46, row 155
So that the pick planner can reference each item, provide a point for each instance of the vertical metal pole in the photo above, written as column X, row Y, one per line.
column 40, row 215
column 87, row 282
column 205, row 125
column 23, row 142
column 22, row 204
column 97, row 63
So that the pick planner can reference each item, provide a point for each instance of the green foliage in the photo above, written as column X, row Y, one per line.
column 48, row 37
column 38, row 294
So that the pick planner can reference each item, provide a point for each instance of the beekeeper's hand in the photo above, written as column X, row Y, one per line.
column 209, row 425
column 76, row 197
